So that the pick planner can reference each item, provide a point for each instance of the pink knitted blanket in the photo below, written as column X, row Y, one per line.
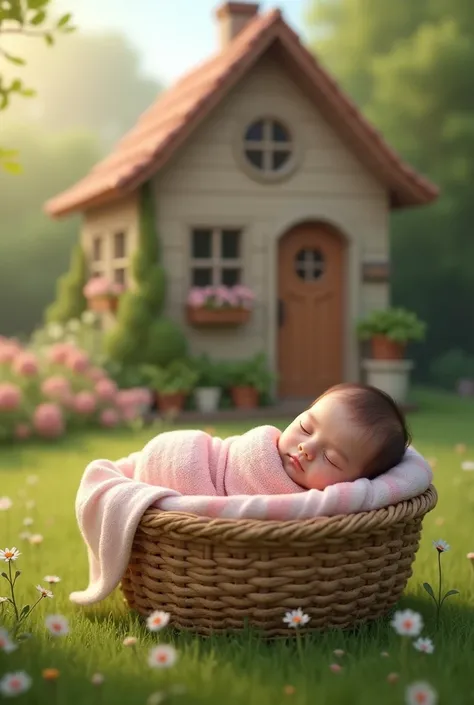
column 240, row 477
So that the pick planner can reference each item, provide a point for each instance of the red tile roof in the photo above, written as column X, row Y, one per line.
column 167, row 124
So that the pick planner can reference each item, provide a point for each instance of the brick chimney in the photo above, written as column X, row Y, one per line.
column 232, row 17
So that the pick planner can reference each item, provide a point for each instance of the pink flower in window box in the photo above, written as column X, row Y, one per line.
column 102, row 294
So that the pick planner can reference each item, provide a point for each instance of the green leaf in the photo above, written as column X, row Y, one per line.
column 24, row 611
column 49, row 39
column 28, row 92
column 16, row 85
column 37, row 4
column 39, row 18
column 429, row 590
column 64, row 19
column 70, row 28
column 451, row 592
column 14, row 59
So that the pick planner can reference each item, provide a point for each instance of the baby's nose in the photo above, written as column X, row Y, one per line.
column 305, row 451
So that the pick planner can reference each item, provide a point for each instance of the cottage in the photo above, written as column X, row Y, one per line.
column 265, row 174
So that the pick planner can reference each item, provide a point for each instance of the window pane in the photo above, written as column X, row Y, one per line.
column 97, row 249
column 279, row 133
column 119, row 276
column 230, row 244
column 201, row 246
column 201, row 277
column 119, row 245
column 230, row 277
column 255, row 157
column 279, row 158
column 255, row 132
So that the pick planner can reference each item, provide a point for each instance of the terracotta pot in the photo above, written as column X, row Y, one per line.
column 200, row 317
column 103, row 303
column 244, row 397
column 384, row 348
column 170, row 402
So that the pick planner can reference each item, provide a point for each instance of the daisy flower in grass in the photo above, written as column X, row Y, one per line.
column 50, row 674
column 130, row 641
column 424, row 645
column 468, row 465
column 15, row 683
column 296, row 618
column 420, row 693
column 9, row 554
column 44, row 592
column 156, row 698
column 51, row 579
column 3, row 599
column 335, row 667
column 441, row 546
column 407, row 623
column 97, row 679
column 6, row 644
column 27, row 521
column 157, row 620
column 393, row 678
column 5, row 503
column 162, row 656
column 57, row 624
column 36, row 539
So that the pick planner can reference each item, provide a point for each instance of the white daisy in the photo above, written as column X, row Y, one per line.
column 162, row 656
column 97, row 679
column 407, row 623
column 51, row 579
column 296, row 618
column 6, row 644
column 424, row 645
column 15, row 683
column 5, row 503
column 44, row 592
column 9, row 554
column 157, row 620
column 57, row 624
column 420, row 693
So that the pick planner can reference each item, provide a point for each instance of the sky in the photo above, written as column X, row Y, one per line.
column 171, row 35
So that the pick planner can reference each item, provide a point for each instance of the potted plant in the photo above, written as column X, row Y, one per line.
column 172, row 384
column 389, row 330
column 219, row 305
column 101, row 294
column 208, row 389
column 248, row 379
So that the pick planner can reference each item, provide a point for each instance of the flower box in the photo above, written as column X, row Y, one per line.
column 225, row 316
column 103, row 303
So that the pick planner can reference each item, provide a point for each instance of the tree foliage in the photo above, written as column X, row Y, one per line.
column 409, row 66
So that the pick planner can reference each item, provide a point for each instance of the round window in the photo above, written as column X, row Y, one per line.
column 267, row 146
column 309, row 264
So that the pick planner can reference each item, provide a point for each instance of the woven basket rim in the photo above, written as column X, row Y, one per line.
column 197, row 526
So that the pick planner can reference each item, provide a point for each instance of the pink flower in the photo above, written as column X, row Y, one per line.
column 335, row 667
column 58, row 353
column 10, row 396
column 95, row 373
column 84, row 403
column 100, row 286
column 7, row 353
column 77, row 361
column 56, row 388
column 26, row 364
column 197, row 297
column 22, row 431
column 48, row 420
column 106, row 389
column 130, row 413
column 109, row 418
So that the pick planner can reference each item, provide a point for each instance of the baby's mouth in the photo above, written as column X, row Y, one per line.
column 296, row 462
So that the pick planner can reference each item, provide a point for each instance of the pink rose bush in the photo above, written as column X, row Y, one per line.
column 221, row 296
column 44, row 392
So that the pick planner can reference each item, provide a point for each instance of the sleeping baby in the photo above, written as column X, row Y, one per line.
column 351, row 431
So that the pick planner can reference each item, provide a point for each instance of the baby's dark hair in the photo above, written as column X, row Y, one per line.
column 376, row 412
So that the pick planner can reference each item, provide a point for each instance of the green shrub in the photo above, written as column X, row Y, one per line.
column 70, row 301
column 454, row 365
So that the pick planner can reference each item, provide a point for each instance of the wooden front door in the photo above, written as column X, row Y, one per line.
column 311, row 278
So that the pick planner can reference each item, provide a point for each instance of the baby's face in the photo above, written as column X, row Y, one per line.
column 324, row 446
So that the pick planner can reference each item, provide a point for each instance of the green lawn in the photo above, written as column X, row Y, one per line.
column 237, row 670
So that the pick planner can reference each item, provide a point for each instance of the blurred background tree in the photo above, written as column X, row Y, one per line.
column 409, row 66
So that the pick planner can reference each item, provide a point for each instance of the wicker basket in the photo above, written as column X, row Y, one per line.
column 216, row 575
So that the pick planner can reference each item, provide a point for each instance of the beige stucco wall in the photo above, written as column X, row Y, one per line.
column 205, row 186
